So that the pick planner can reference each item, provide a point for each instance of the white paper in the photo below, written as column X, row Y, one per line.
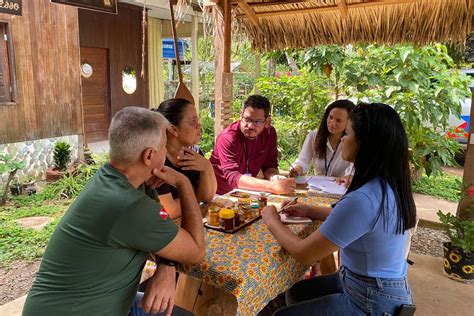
column 286, row 219
column 326, row 185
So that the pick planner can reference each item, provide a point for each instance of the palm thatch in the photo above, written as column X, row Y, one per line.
column 273, row 24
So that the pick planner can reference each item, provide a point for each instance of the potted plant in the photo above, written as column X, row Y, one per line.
column 10, row 166
column 459, row 252
column 61, row 158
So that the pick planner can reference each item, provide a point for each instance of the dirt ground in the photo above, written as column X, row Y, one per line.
column 17, row 282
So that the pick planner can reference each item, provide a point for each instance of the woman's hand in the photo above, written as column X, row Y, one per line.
column 346, row 181
column 190, row 160
column 295, row 171
column 269, row 214
column 297, row 209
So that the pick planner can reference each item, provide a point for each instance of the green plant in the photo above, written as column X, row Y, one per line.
column 10, row 166
column 444, row 186
column 461, row 231
column 62, row 155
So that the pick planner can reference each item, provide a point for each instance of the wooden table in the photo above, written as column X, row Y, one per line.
column 243, row 271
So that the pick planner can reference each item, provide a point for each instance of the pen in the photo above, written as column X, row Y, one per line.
column 294, row 201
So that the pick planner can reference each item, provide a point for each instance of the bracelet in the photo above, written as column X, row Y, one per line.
column 167, row 262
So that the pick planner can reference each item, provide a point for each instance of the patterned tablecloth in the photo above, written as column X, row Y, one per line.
column 250, row 264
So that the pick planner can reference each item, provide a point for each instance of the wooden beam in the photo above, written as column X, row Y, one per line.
column 271, row 3
column 227, row 34
column 330, row 8
column 342, row 7
column 249, row 12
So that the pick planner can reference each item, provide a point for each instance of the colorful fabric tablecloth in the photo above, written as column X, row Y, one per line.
column 250, row 264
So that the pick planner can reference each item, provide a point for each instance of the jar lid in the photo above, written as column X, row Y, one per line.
column 214, row 209
column 255, row 205
column 226, row 213
column 263, row 194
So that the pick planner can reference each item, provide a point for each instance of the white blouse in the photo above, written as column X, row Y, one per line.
column 337, row 167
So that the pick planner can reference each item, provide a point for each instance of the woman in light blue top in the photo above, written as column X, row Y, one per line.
column 369, row 225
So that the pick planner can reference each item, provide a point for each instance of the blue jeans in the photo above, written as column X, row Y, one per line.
column 138, row 311
column 346, row 293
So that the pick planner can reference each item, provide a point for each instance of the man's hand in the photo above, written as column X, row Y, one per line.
column 269, row 213
column 168, row 175
column 160, row 291
column 191, row 160
column 282, row 185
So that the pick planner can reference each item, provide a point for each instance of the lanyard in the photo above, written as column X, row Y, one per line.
column 332, row 158
column 247, row 156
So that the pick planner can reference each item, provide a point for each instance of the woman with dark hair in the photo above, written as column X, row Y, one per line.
column 370, row 225
column 184, row 155
column 322, row 146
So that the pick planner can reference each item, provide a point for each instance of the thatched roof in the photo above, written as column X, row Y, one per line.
column 276, row 24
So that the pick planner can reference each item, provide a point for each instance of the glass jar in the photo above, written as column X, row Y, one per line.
column 226, row 219
column 247, row 211
column 262, row 200
column 213, row 216
column 255, row 210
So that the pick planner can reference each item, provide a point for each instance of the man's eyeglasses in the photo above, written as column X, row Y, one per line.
column 257, row 123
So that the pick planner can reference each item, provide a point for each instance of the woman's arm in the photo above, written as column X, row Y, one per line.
column 172, row 206
column 308, row 250
column 317, row 212
column 306, row 154
column 207, row 184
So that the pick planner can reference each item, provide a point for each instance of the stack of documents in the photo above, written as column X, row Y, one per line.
column 326, row 185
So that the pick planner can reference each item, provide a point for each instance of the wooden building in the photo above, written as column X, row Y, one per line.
column 40, row 101
column 111, row 44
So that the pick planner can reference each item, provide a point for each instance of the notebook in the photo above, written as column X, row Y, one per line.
column 326, row 185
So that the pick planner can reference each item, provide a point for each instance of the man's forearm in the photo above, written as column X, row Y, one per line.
column 191, row 219
column 251, row 183
column 268, row 173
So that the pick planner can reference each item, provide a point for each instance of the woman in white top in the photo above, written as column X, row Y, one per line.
column 321, row 147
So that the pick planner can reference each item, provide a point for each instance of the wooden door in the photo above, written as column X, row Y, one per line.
column 95, row 94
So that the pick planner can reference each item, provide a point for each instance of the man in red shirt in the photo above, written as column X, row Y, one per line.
column 246, row 147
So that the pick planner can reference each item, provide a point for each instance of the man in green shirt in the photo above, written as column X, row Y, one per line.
column 93, row 262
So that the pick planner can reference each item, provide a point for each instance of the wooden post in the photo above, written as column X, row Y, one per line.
column 257, row 70
column 223, row 84
column 195, row 61
column 468, row 175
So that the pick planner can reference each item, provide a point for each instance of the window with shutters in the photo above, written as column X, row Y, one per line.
column 7, row 77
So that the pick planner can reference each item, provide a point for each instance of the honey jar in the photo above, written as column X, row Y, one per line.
column 226, row 219
column 255, row 210
column 213, row 216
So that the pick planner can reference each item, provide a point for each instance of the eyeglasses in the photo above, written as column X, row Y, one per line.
column 193, row 123
column 247, row 120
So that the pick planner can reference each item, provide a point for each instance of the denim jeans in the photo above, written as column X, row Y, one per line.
column 135, row 310
column 346, row 293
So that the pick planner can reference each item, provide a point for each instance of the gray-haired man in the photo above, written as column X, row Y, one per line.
column 93, row 261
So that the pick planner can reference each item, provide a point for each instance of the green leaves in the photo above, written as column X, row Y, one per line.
column 61, row 155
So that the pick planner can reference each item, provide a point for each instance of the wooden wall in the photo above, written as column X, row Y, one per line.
column 46, row 53
column 122, row 35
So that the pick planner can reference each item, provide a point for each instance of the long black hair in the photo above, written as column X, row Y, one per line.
column 173, row 110
column 383, row 154
column 322, row 135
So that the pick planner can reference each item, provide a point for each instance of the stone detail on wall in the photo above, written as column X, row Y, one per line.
column 38, row 155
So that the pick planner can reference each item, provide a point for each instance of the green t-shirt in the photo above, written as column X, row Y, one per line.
column 93, row 261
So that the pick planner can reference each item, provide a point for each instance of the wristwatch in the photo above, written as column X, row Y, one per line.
column 167, row 262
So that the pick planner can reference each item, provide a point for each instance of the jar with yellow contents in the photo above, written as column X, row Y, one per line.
column 213, row 215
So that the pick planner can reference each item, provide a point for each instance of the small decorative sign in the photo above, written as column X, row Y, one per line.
column 107, row 6
column 86, row 70
column 11, row 6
